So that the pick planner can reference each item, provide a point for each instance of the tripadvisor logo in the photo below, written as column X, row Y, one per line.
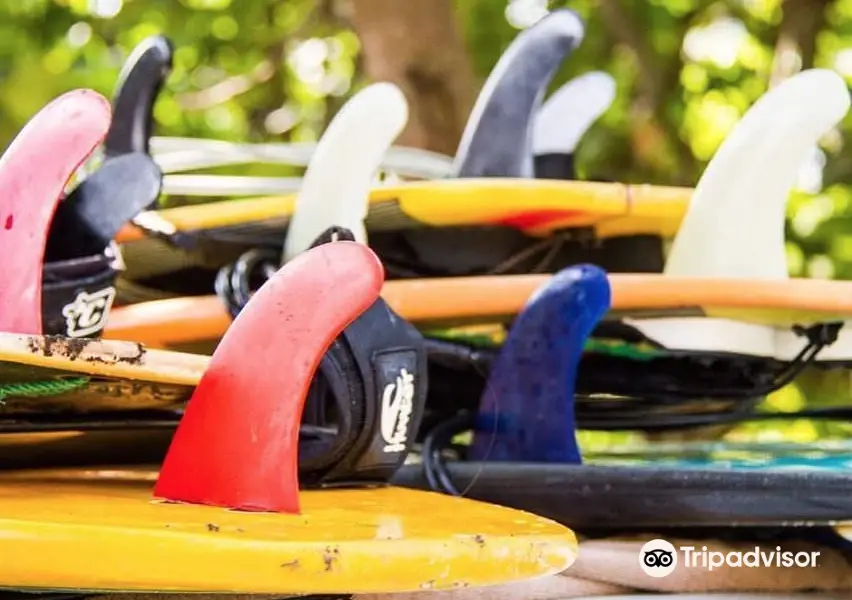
column 659, row 558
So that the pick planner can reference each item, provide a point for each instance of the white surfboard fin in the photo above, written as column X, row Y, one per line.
column 336, row 186
column 565, row 118
column 734, row 226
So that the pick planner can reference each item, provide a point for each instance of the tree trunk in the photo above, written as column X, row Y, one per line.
column 416, row 44
column 795, row 47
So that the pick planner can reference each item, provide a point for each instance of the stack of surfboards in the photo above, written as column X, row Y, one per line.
column 187, row 472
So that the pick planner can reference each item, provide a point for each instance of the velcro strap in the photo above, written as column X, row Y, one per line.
column 375, row 374
column 77, row 295
column 387, row 361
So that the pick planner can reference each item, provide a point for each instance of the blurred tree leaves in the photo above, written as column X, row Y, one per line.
column 258, row 70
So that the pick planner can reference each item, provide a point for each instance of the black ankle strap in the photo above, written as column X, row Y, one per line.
column 77, row 296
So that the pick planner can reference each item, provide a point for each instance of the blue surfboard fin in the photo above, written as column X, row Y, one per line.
column 526, row 413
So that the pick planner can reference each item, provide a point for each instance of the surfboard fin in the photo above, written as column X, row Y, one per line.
column 497, row 141
column 139, row 83
column 734, row 226
column 565, row 118
column 526, row 412
column 88, row 220
column 236, row 444
column 54, row 143
column 336, row 186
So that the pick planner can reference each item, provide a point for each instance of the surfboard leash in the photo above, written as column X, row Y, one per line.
column 366, row 403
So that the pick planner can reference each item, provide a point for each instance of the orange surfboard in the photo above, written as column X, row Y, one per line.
column 467, row 300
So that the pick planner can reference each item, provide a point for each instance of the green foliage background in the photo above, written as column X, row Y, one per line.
column 257, row 70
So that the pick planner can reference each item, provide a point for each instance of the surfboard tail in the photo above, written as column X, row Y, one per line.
column 336, row 187
column 236, row 445
column 734, row 226
column 497, row 141
column 33, row 173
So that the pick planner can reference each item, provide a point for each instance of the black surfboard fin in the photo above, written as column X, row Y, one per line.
column 139, row 83
column 91, row 216
column 497, row 141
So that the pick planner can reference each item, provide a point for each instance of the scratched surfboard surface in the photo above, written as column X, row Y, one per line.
column 64, row 375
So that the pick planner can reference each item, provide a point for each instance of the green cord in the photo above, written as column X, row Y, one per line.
column 618, row 348
column 41, row 388
column 622, row 349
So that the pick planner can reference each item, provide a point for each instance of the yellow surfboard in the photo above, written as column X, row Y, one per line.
column 105, row 532
column 535, row 206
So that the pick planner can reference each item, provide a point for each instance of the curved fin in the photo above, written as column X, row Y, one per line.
column 139, row 83
column 33, row 173
column 236, row 445
column 734, row 226
column 93, row 214
column 529, row 397
column 337, row 183
column 497, row 141
column 565, row 118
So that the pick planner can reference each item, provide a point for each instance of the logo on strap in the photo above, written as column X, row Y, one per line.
column 87, row 314
column 397, row 404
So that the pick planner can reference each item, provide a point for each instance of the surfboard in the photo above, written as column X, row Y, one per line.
column 537, row 207
column 753, row 173
column 525, row 451
column 343, row 541
column 456, row 301
column 506, row 111
column 213, row 481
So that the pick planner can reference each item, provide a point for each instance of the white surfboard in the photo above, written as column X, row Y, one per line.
column 336, row 186
column 180, row 155
column 570, row 111
column 734, row 226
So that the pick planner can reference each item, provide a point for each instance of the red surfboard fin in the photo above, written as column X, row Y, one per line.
column 33, row 173
column 236, row 445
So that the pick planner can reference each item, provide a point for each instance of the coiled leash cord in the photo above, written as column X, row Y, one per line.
column 650, row 394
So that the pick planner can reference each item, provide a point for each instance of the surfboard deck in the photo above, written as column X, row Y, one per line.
column 469, row 300
column 41, row 374
column 534, row 206
column 344, row 541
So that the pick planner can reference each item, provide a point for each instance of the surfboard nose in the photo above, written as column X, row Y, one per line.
column 497, row 140
column 734, row 226
column 336, row 187
column 527, row 410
